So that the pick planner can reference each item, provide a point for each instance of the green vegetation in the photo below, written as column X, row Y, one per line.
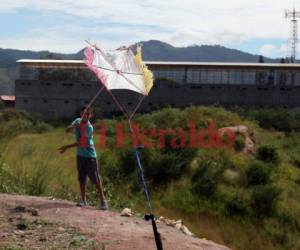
column 240, row 200
column 279, row 119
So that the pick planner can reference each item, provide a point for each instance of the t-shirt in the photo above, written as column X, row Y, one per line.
column 84, row 138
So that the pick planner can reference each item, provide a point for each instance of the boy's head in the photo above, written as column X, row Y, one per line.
column 86, row 113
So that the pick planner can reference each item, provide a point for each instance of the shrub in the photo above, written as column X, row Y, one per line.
column 206, row 177
column 109, row 164
column 165, row 166
column 41, row 127
column 258, row 173
column 14, row 127
column 297, row 181
column 264, row 200
column 268, row 153
column 205, row 186
column 237, row 205
column 296, row 162
column 17, row 122
column 267, row 118
column 239, row 143
column 127, row 160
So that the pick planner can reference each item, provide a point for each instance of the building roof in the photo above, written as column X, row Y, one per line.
column 39, row 63
column 80, row 63
column 8, row 97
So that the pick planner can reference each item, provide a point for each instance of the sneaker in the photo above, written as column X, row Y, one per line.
column 81, row 203
column 104, row 205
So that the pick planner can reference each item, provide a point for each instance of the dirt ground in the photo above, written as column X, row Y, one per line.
column 28, row 222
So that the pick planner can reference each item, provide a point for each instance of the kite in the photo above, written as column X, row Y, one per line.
column 121, row 69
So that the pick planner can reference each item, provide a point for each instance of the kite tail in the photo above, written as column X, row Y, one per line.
column 148, row 76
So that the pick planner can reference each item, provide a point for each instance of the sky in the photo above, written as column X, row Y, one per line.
column 254, row 26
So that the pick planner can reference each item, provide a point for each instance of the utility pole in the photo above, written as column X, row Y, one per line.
column 293, row 16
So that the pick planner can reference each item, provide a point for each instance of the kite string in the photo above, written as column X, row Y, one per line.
column 118, row 104
column 137, row 154
column 140, row 168
column 93, row 100
column 137, row 107
column 95, row 97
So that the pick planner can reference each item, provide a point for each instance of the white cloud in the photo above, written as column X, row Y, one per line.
column 280, row 51
column 267, row 50
column 181, row 23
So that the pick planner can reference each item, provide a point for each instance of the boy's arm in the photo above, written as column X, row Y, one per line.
column 75, row 124
column 71, row 128
column 64, row 148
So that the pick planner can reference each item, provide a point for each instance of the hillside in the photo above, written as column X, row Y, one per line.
column 8, row 57
column 158, row 51
column 28, row 222
column 152, row 51
column 243, row 199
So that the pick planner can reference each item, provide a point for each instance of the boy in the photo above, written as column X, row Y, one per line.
column 86, row 156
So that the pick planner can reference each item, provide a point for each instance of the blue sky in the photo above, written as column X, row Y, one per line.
column 257, row 27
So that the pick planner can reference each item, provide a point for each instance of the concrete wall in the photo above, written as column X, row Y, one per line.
column 57, row 99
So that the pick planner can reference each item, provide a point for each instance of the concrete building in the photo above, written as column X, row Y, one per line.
column 57, row 88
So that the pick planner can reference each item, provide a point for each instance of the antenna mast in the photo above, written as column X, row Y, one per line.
column 293, row 16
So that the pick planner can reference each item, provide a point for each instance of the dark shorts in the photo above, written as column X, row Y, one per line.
column 87, row 166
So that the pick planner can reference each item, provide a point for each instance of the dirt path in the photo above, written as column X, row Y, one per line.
column 41, row 223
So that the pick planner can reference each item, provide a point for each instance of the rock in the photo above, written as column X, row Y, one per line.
column 160, row 219
column 43, row 238
column 177, row 224
column 18, row 232
column 186, row 231
column 33, row 211
column 21, row 226
column 4, row 235
column 20, row 209
column 249, row 146
column 61, row 229
column 126, row 212
column 245, row 131
column 231, row 176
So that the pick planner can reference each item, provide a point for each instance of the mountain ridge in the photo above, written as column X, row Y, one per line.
column 152, row 50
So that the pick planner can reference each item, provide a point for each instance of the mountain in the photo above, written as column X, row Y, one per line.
column 153, row 50
column 158, row 51
column 8, row 57
column 8, row 64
